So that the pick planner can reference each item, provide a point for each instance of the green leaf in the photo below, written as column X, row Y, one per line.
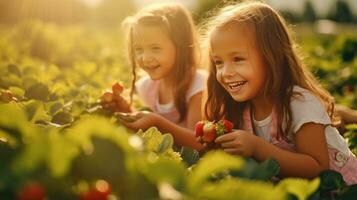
column 164, row 170
column 213, row 162
column 166, row 143
column 62, row 118
column 331, row 180
column 61, row 153
column 14, row 116
column 38, row 91
column 18, row 92
column 266, row 169
column 10, row 80
column 32, row 156
column 55, row 107
column 301, row 188
column 239, row 189
column 35, row 111
column 349, row 193
column 91, row 126
column 14, row 70
column 189, row 156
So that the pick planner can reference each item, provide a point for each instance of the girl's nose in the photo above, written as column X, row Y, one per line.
column 147, row 57
column 228, row 70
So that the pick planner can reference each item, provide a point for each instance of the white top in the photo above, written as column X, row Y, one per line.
column 306, row 108
column 262, row 127
column 148, row 91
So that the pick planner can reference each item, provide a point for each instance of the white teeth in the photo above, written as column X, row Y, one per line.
column 233, row 85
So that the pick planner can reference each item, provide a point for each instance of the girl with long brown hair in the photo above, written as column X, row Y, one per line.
column 257, row 80
column 162, row 42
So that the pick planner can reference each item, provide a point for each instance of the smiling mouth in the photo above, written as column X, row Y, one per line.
column 152, row 67
column 235, row 86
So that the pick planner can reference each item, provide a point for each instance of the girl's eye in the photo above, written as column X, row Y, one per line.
column 156, row 48
column 218, row 63
column 238, row 59
column 138, row 50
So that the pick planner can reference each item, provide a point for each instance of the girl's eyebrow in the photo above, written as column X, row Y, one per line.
column 232, row 53
column 154, row 44
column 237, row 53
column 150, row 45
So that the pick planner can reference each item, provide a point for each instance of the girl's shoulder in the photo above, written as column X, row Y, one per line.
column 307, row 107
column 198, row 83
column 303, row 95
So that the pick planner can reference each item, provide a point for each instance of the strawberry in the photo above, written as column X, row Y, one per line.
column 117, row 88
column 107, row 97
column 6, row 96
column 32, row 191
column 209, row 132
column 199, row 128
column 228, row 125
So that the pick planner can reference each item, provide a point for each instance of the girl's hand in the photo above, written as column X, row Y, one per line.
column 139, row 120
column 239, row 142
column 114, row 103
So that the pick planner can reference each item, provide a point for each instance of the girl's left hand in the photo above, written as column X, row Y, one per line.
column 138, row 120
column 239, row 142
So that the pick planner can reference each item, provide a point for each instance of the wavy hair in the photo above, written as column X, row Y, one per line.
column 284, row 65
column 175, row 20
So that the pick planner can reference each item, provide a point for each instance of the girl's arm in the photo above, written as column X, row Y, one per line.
column 185, row 136
column 182, row 136
column 309, row 160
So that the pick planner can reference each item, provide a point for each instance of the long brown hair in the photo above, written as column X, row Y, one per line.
column 284, row 65
column 176, row 21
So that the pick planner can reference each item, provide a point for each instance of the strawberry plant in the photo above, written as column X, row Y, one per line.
column 57, row 141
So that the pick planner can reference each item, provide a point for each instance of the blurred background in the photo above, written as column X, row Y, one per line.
column 76, row 33
column 57, row 57
column 111, row 12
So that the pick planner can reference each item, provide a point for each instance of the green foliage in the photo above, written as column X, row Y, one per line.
column 53, row 131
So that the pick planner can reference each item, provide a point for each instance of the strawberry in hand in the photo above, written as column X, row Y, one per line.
column 113, row 101
column 117, row 88
column 207, row 131
column 199, row 128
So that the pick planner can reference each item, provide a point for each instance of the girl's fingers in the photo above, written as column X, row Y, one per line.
column 231, row 151
column 226, row 137
column 228, row 144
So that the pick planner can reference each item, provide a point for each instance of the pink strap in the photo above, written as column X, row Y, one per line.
column 273, row 131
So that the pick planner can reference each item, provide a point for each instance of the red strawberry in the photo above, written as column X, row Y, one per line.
column 199, row 128
column 6, row 96
column 32, row 191
column 107, row 97
column 209, row 132
column 228, row 125
column 117, row 88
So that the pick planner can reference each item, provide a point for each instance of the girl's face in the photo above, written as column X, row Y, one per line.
column 154, row 51
column 239, row 64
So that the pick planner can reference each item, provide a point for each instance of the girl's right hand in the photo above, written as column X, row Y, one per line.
column 114, row 103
